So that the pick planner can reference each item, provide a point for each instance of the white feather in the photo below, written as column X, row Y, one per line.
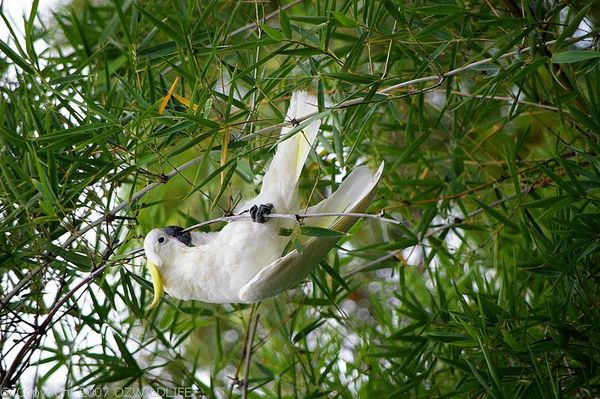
column 280, row 182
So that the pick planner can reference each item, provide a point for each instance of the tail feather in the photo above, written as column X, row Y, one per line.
column 292, row 268
column 284, row 171
column 353, row 195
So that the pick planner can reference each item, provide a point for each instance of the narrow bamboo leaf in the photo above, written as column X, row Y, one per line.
column 344, row 19
column 353, row 77
column 311, row 20
column 298, row 246
column 569, row 57
column 498, row 215
column 272, row 32
column 335, row 275
column 79, row 260
column 212, row 175
column 16, row 58
column 284, row 21
column 441, row 9
column 315, row 231
column 549, row 202
column 67, row 79
column 200, row 120
column 163, row 26
column 125, row 353
column 307, row 330
column 226, row 177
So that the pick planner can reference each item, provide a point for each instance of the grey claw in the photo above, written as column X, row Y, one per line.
column 259, row 213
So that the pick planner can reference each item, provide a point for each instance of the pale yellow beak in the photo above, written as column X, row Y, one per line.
column 157, row 282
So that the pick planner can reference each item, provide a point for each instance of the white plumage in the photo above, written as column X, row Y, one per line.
column 243, row 262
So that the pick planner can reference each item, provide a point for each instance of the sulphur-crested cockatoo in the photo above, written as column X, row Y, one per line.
column 244, row 262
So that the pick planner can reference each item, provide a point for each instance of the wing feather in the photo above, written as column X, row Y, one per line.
column 292, row 268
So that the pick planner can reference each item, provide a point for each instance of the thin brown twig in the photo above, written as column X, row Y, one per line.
column 565, row 155
column 235, row 379
column 22, row 356
column 456, row 222
column 266, row 18
column 500, row 98
column 248, row 357
column 298, row 217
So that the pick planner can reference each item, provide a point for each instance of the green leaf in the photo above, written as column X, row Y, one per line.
column 315, row 231
column 81, row 261
column 165, row 27
column 284, row 21
column 125, row 353
column 568, row 57
column 307, row 330
column 353, row 77
column 16, row 58
column 298, row 246
column 549, row 202
column 272, row 33
column 344, row 20
column 285, row 232
column 498, row 216
column 224, row 183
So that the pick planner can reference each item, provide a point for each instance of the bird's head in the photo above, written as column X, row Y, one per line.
column 162, row 245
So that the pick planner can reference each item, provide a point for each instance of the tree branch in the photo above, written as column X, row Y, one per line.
column 439, row 229
column 298, row 217
column 248, row 357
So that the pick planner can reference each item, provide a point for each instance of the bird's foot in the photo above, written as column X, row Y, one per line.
column 259, row 213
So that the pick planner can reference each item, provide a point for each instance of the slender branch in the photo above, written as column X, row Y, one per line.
column 298, row 217
column 499, row 98
column 42, row 328
column 253, row 25
column 301, row 216
column 456, row 222
column 21, row 360
column 248, row 356
column 235, row 379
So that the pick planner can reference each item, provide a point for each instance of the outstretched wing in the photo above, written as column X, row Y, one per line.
column 354, row 195
column 281, row 178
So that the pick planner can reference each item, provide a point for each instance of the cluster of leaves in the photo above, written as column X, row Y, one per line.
column 490, row 288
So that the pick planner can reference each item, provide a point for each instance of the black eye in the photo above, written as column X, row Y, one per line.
column 161, row 240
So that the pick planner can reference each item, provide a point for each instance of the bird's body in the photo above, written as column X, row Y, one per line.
column 231, row 258
column 244, row 261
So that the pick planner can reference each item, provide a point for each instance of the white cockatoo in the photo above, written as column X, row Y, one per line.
column 244, row 262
